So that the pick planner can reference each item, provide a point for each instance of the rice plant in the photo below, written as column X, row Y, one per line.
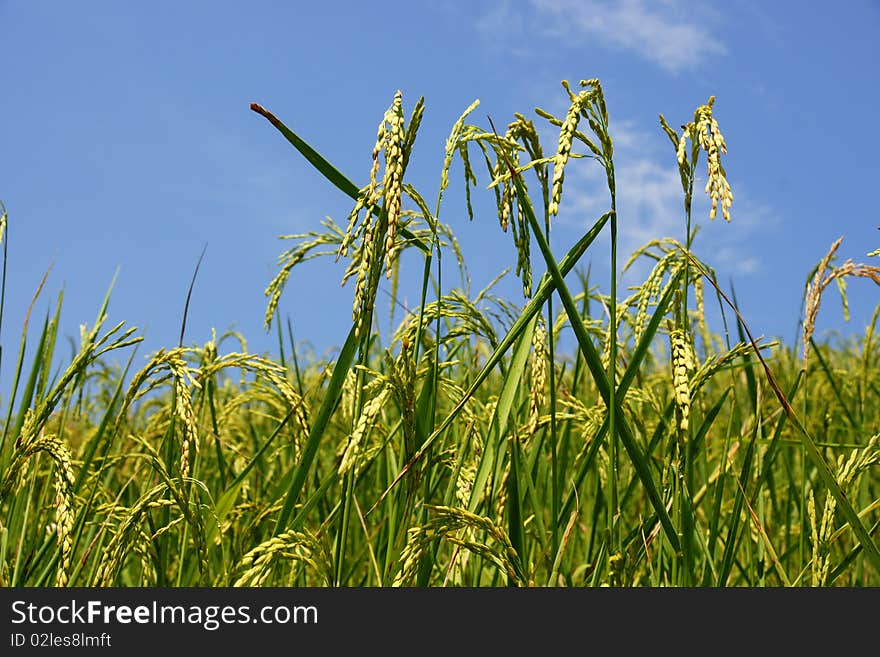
column 465, row 447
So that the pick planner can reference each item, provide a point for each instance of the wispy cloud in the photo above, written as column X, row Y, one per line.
column 650, row 205
column 503, row 26
column 649, row 202
column 675, row 35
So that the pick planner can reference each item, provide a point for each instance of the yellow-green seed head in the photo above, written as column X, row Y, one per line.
column 682, row 364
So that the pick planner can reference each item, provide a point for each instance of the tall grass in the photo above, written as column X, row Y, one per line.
column 465, row 447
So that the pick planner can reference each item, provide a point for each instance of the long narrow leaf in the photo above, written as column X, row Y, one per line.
column 594, row 363
column 331, row 398
column 544, row 290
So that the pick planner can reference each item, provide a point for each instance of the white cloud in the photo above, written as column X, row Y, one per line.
column 672, row 34
column 503, row 21
column 650, row 204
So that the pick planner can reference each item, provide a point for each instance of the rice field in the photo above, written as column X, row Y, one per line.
column 468, row 447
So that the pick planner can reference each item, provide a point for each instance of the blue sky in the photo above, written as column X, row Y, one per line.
column 127, row 143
